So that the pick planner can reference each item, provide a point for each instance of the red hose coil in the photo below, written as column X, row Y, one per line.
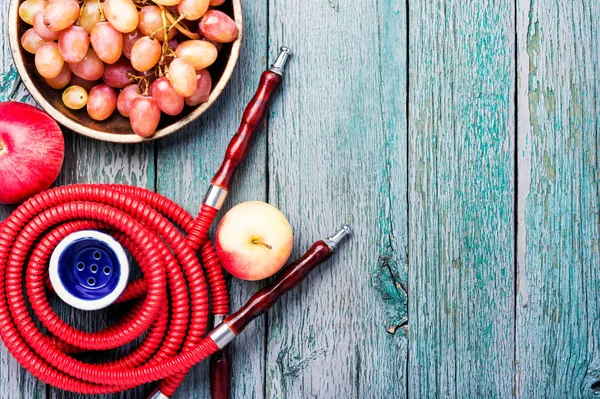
column 216, row 280
column 149, row 226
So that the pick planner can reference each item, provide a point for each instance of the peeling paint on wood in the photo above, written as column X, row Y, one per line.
column 558, row 331
column 461, row 193
column 337, row 154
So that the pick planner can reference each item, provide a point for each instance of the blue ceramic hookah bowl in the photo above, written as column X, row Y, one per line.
column 89, row 270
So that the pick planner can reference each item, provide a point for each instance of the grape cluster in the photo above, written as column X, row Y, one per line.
column 139, row 57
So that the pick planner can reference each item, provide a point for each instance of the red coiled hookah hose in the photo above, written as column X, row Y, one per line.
column 170, row 302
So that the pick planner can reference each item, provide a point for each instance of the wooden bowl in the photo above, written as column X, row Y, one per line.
column 117, row 128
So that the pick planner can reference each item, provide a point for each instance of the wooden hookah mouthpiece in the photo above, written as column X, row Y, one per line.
column 264, row 299
column 253, row 116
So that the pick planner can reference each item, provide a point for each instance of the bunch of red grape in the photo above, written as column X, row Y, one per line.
column 139, row 57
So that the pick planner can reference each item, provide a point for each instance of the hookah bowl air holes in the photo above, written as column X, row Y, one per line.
column 89, row 270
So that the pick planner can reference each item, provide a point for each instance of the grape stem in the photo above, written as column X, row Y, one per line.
column 142, row 82
column 165, row 45
column 180, row 28
column 81, row 7
column 102, row 16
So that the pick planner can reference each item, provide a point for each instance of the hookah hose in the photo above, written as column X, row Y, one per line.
column 170, row 303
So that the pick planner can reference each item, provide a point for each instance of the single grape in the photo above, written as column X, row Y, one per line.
column 90, row 68
column 166, row 97
column 118, row 74
column 31, row 41
column 122, row 14
column 61, row 14
column 218, row 26
column 86, row 84
column 204, row 87
column 73, row 43
column 102, row 102
column 151, row 22
column 75, row 97
column 48, row 60
column 90, row 15
column 183, row 77
column 193, row 9
column 107, row 42
column 127, row 96
column 144, row 116
column 29, row 8
column 129, row 40
column 200, row 53
column 215, row 3
column 62, row 79
column 41, row 28
column 145, row 53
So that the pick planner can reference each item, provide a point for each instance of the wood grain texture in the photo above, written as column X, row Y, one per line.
column 9, row 77
column 187, row 162
column 558, row 307
column 337, row 154
column 461, row 187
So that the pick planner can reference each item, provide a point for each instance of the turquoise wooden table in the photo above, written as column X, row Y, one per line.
column 460, row 139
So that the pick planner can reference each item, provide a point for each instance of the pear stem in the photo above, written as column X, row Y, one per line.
column 260, row 242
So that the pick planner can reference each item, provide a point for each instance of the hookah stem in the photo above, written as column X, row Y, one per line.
column 253, row 115
column 261, row 302
column 292, row 276
column 264, row 299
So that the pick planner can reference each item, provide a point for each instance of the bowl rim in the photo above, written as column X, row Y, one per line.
column 17, row 54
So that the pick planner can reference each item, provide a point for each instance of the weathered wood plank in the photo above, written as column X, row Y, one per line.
column 557, row 337
column 187, row 162
column 461, row 131
column 337, row 154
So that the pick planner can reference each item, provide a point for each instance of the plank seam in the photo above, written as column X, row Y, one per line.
column 516, row 193
column 408, row 166
column 267, row 192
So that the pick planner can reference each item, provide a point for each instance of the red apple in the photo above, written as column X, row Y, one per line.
column 254, row 240
column 32, row 150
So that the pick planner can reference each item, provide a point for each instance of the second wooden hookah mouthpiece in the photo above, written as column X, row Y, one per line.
column 291, row 277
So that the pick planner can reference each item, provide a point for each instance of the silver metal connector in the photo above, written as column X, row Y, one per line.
column 222, row 335
column 157, row 395
column 279, row 64
column 334, row 241
column 215, row 197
